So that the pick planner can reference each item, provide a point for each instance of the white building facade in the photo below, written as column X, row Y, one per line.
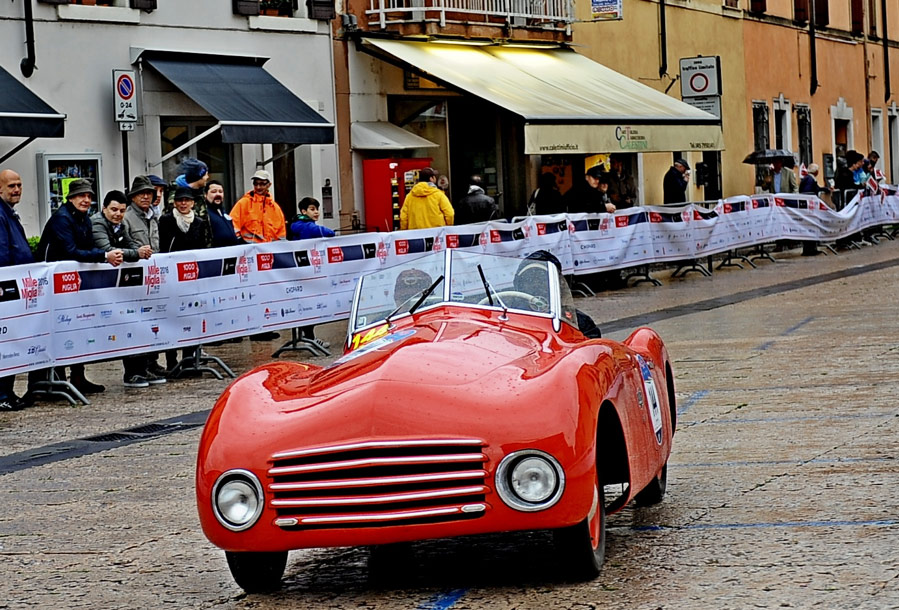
column 287, row 62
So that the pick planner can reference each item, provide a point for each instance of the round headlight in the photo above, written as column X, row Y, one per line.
column 530, row 480
column 533, row 479
column 237, row 499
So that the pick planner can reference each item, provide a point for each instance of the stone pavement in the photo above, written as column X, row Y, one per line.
column 783, row 490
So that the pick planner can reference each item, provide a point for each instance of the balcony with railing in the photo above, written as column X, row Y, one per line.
column 545, row 14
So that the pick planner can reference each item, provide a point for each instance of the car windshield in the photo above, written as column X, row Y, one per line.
column 462, row 278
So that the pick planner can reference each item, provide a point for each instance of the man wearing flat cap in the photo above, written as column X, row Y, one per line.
column 674, row 185
column 69, row 236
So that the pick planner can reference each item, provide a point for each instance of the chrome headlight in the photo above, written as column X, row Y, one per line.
column 530, row 480
column 237, row 499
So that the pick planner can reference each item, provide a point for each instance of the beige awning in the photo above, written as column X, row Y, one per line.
column 380, row 135
column 570, row 104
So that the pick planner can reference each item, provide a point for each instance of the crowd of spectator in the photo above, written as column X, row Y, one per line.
column 151, row 217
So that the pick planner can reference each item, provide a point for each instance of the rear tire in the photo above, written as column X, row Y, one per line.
column 655, row 491
column 257, row 572
column 581, row 548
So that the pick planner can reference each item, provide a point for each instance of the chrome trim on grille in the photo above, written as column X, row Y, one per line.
column 350, row 483
column 344, row 464
column 380, row 483
column 409, row 514
column 385, row 498
column 375, row 445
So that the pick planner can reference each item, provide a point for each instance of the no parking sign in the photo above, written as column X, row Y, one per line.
column 125, row 99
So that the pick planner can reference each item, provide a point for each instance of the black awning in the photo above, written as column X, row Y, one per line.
column 252, row 106
column 23, row 114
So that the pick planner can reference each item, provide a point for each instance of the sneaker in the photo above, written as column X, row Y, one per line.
column 154, row 379
column 136, row 381
column 319, row 342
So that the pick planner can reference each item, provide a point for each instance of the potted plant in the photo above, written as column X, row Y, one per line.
column 276, row 7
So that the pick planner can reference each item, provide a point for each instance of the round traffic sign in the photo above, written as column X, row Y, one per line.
column 699, row 82
column 125, row 86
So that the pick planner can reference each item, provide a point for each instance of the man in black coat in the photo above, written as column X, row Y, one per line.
column 476, row 206
column 675, row 183
column 585, row 196
column 69, row 236
column 14, row 250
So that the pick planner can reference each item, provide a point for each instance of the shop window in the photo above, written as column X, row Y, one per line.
column 210, row 150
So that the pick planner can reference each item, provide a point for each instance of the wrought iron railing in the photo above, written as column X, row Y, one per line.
column 553, row 14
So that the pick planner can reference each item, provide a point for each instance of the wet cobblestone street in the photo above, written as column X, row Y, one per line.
column 783, row 485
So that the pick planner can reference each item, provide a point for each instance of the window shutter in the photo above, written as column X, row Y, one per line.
column 321, row 9
column 144, row 5
column 800, row 10
column 858, row 23
column 245, row 7
column 822, row 13
column 758, row 6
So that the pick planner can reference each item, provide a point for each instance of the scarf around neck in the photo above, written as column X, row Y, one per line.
column 183, row 220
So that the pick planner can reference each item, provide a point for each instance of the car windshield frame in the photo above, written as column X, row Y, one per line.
column 393, row 291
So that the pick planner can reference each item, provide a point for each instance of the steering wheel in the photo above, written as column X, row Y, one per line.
column 530, row 301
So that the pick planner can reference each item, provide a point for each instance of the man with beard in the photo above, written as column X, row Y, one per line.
column 221, row 227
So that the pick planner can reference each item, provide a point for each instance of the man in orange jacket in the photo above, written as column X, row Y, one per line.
column 256, row 216
column 257, row 219
column 426, row 206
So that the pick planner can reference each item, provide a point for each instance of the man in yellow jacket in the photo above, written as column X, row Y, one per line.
column 256, row 216
column 426, row 206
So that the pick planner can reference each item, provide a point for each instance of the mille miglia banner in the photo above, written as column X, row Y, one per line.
column 67, row 312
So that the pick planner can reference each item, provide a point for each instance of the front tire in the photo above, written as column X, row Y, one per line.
column 257, row 572
column 581, row 548
column 655, row 491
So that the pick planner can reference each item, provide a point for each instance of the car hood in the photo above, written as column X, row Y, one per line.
column 439, row 353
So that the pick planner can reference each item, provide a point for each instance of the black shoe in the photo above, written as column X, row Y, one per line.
column 270, row 336
column 157, row 370
column 11, row 404
column 87, row 387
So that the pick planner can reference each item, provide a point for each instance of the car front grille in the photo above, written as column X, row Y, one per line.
column 379, row 484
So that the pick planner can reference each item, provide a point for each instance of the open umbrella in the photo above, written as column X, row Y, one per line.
column 768, row 155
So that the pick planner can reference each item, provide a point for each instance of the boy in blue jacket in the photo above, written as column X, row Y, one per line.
column 304, row 227
column 304, row 224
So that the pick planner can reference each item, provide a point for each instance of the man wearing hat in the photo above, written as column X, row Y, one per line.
column 140, row 222
column 142, row 228
column 674, row 185
column 585, row 196
column 256, row 216
column 69, row 236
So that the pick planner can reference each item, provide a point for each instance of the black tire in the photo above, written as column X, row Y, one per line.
column 580, row 552
column 655, row 491
column 257, row 572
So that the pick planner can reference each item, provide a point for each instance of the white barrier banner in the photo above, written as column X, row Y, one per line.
column 69, row 312
column 26, row 318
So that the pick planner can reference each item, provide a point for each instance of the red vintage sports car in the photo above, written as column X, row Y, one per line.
column 467, row 402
